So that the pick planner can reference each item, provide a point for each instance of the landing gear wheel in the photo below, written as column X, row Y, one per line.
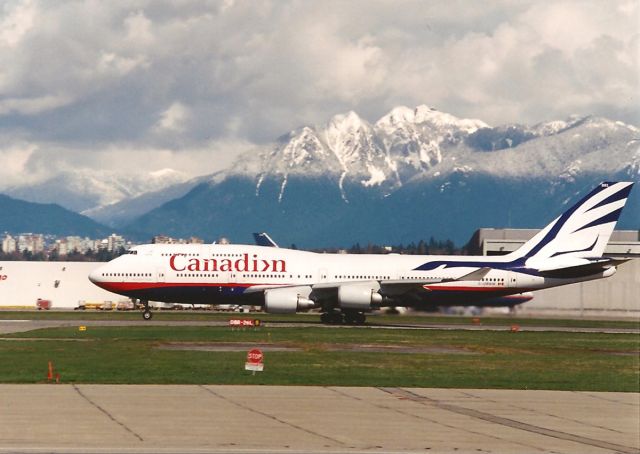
column 354, row 318
column 147, row 313
column 331, row 318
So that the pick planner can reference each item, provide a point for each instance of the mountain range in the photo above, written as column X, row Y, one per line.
column 19, row 216
column 414, row 173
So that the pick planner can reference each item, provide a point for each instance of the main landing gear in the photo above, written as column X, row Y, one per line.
column 147, row 312
column 347, row 317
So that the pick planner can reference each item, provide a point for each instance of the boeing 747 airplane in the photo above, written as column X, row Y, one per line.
column 347, row 286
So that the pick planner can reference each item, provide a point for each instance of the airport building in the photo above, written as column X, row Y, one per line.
column 65, row 284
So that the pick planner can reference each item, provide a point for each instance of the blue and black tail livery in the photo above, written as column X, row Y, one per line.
column 582, row 231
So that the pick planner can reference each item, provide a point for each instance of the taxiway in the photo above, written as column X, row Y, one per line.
column 195, row 419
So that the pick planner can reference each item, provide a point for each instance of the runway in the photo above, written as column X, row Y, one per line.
column 240, row 419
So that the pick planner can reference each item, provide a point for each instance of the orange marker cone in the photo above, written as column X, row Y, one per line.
column 50, row 372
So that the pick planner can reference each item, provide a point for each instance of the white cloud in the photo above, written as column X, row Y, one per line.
column 31, row 106
column 14, row 170
column 173, row 119
column 28, row 163
column 18, row 19
column 192, row 79
column 119, row 65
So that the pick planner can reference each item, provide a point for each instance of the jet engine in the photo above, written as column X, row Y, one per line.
column 287, row 300
column 360, row 296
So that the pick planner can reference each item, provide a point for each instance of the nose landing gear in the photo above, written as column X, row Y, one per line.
column 146, row 314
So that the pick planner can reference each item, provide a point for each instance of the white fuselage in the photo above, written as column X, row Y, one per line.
column 214, row 273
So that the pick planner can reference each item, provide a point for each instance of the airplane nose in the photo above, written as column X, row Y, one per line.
column 95, row 275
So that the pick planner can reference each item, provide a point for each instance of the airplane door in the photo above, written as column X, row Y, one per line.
column 160, row 277
column 239, row 277
column 323, row 275
column 224, row 279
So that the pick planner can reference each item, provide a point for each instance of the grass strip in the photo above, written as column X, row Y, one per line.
column 501, row 359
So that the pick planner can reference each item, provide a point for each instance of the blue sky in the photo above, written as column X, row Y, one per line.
column 190, row 84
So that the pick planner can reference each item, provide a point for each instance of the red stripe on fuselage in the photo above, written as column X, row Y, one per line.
column 468, row 289
column 117, row 287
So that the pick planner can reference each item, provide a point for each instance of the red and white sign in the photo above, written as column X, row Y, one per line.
column 255, row 356
column 254, row 360
column 243, row 322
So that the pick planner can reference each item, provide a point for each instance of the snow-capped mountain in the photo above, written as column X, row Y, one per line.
column 422, row 143
column 400, row 145
column 128, row 209
column 411, row 174
column 86, row 189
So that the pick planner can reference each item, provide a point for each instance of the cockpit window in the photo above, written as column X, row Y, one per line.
column 131, row 251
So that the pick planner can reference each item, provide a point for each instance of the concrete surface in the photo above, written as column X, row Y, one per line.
column 167, row 419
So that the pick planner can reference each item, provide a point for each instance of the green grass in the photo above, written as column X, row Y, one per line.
column 523, row 360
column 313, row 318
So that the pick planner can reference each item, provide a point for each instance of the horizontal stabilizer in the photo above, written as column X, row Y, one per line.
column 593, row 266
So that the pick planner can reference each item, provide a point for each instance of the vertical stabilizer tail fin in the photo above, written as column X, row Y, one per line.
column 582, row 231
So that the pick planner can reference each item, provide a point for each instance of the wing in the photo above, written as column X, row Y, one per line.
column 393, row 288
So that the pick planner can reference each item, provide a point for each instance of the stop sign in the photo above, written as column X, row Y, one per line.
column 255, row 356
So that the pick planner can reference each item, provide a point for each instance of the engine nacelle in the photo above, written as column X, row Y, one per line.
column 287, row 300
column 360, row 296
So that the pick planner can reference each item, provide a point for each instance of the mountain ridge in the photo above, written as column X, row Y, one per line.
column 19, row 216
column 387, row 179
column 351, row 176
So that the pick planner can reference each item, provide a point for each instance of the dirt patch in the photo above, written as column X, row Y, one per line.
column 618, row 352
column 373, row 348
column 225, row 347
column 365, row 348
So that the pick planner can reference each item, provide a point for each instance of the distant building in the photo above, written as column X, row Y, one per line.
column 79, row 244
column 623, row 243
column 163, row 239
column 62, row 246
column 115, row 243
column 30, row 242
column 9, row 244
